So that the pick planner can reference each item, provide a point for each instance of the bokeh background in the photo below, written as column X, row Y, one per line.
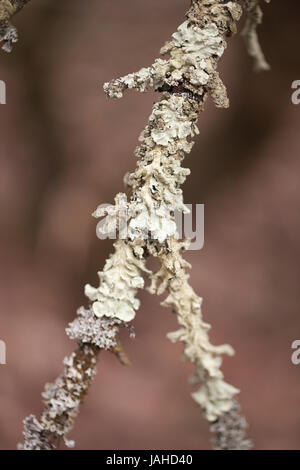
column 64, row 149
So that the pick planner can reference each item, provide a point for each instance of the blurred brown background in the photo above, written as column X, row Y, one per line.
column 64, row 149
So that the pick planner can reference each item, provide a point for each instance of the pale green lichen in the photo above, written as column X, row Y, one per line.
column 119, row 281
column 215, row 395
column 186, row 76
column 199, row 43
column 188, row 51
column 156, row 184
column 174, row 122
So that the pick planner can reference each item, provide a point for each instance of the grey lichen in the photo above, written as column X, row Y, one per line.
column 230, row 431
column 189, row 65
column 189, row 48
column 35, row 436
column 62, row 400
column 101, row 332
column 8, row 36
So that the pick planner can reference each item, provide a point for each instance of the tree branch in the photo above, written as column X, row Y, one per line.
column 185, row 77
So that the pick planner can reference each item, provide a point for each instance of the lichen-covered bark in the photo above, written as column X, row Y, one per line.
column 230, row 431
column 119, row 281
column 62, row 400
column 186, row 75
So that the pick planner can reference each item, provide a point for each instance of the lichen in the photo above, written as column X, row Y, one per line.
column 189, row 64
column 215, row 395
column 87, row 328
column 35, row 436
column 193, row 55
column 186, row 76
column 8, row 36
column 230, row 431
column 62, row 400
column 119, row 281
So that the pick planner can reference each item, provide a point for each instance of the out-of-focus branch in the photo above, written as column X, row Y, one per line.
column 249, row 33
column 8, row 33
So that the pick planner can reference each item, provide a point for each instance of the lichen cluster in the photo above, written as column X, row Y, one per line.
column 230, row 431
column 62, row 400
column 102, row 332
column 121, row 277
column 186, row 75
column 194, row 54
